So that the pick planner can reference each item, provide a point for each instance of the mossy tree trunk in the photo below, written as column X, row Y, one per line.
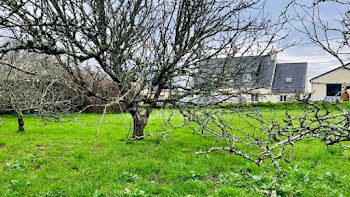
column 140, row 119
column 20, row 121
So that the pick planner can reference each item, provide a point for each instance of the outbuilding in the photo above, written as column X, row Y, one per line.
column 329, row 86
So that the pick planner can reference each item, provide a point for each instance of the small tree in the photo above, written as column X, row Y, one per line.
column 30, row 84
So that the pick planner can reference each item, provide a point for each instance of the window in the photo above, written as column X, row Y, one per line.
column 247, row 77
column 283, row 98
column 254, row 97
column 289, row 80
column 333, row 89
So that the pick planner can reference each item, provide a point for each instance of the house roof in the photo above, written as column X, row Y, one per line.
column 296, row 71
column 247, row 64
column 326, row 73
column 261, row 67
column 266, row 73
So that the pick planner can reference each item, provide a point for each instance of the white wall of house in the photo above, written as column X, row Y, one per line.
column 265, row 95
column 319, row 84
column 274, row 98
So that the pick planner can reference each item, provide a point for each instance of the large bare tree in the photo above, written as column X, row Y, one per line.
column 144, row 47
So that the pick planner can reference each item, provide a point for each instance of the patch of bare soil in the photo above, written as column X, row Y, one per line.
column 41, row 148
column 67, row 150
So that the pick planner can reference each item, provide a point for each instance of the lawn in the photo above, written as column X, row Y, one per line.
column 66, row 160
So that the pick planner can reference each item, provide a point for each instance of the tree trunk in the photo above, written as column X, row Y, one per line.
column 20, row 121
column 140, row 122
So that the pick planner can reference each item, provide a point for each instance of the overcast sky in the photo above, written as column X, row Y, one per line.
column 318, row 60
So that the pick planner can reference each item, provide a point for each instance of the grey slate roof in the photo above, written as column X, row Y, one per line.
column 261, row 69
column 297, row 71
column 267, row 73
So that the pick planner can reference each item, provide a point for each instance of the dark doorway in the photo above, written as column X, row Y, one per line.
column 333, row 89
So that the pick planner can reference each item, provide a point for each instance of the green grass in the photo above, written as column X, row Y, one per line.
column 66, row 160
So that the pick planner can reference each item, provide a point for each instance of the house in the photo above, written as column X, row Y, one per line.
column 262, row 79
column 328, row 86
column 248, row 78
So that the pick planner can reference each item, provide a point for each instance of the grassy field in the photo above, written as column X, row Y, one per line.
column 66, row 160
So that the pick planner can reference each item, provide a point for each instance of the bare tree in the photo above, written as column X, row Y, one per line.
column 330, row 34
column 144, row 47
column 30, row 84
column 261, row 139
column 268, row 141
